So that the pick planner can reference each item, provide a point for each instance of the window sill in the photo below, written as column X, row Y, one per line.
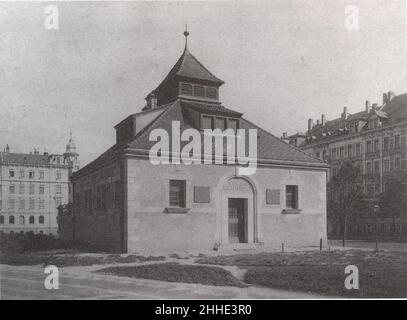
column 291, row 211
column 176, row 210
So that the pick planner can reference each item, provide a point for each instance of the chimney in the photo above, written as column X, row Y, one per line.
column 367, row 106
column 385, row 100
column 7, row 148
column 344, row 113
column 323, row 120
column 318, row 122
column 310, row 124
column 36, row 151
column 151, row 101
column 390, row 95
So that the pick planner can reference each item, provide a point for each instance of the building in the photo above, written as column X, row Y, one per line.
column 125, row 203
column 32, row 187
column 373, row 139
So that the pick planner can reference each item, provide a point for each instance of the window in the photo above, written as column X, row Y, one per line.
column 273, row 196
column 368, row 168
column 211, row 93
column 58, row 175
column 1, row 219
column 186, row 89
column 11, row 174
column 21, row 220
column 199, row 91
column 386, row 165
column 41, row 219
column 398, row 163
column 358, row 151
column 41, row 189
column 31, row 204
column 397, row 141
column 11, row 204
column 202, row 195
column 58, row 188
column 21, row 174
column 177, row 193
column 368, row 146
column 31, row 174
column 21, row 204
column 31, row 220
column 220, row 123
column 31, row 188
column 41, row 204
column 11, row 189
column 376, row 145
column 386, row 143
column 333, row 153
column 21, row 188
column 41, row 175
column 11, row 219
column 403, row 164
column 376, row 166
column 349, row 150
column 291, row 197
column 206, row 122
column 342, row 152
column 317, row 154
column 233, row 124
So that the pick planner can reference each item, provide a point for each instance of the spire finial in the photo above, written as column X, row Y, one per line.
column 186, row 34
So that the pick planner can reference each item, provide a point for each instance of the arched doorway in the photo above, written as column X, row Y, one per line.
column 238, row 213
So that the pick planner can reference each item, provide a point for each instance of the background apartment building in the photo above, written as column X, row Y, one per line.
column 373, row 139
column 32, row 187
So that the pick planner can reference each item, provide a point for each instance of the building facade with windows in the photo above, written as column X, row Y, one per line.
column 32, row 187
column 373, row 139
column 125, row 202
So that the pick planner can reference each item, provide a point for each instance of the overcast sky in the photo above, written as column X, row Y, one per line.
column 282, row 62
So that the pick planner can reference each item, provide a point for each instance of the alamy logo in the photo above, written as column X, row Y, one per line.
column 233, row 151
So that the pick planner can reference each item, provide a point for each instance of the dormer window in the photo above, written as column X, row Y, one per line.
column 219, row 122
column 197, row 90
column 212, row 93
column 207, row 122
column 186, row 89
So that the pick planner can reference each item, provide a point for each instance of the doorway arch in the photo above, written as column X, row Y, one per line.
column 238, row 219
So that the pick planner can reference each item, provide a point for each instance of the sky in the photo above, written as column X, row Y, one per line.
column 282, row 62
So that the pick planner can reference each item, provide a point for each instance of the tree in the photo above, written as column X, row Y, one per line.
column 345, row 196
column 393, row 201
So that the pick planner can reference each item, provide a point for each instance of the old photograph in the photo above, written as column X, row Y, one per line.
column 203, row 150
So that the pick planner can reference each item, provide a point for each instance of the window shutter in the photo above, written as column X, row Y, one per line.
column 273, row 196
column 202, row 195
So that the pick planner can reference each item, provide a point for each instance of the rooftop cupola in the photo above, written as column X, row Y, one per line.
column 188, row 79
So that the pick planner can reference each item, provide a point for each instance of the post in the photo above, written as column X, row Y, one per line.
column 282, row 247
column 320, row 244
